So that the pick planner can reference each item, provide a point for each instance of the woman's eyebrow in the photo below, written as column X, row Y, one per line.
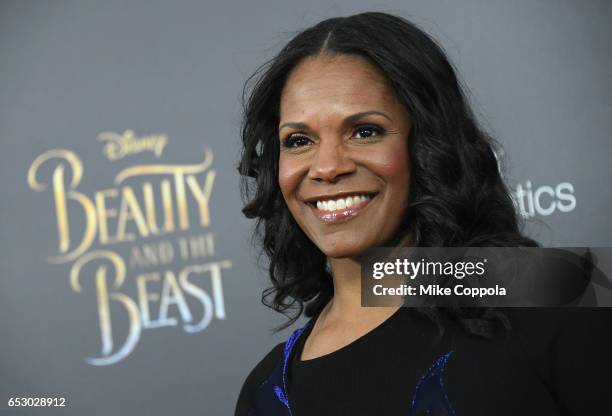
column 358, row 116
column 350, row 119
column 294, row 125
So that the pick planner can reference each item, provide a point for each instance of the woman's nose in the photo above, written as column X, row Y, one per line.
column 330, row 161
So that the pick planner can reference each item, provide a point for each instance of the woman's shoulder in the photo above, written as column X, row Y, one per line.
column 550, row 358
column 256, row 377
column 551, row 323
column 570, row 348
column 546, row 334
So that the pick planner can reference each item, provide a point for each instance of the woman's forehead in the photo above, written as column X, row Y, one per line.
column 343, row 82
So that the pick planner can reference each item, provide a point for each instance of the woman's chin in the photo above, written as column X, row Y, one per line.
column 343, row 250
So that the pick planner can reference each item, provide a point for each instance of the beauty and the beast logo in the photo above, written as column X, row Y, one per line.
column 146, row 201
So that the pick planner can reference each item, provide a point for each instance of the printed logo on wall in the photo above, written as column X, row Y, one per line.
column 157, row 202
column 541, row 200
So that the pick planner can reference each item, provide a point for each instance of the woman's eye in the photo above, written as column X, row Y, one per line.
column 369, row 131
column 295, row 140
column 363, row 132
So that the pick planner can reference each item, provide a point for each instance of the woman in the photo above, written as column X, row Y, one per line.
column 357, row 134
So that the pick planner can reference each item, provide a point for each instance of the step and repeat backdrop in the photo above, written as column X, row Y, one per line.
column 128, row 281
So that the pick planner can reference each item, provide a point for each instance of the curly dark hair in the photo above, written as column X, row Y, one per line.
column 457, row 196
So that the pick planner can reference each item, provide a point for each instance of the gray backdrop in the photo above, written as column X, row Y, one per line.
column 72, row 73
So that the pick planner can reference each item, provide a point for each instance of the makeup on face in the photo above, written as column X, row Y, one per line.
column 343, row 166
column 337, row 208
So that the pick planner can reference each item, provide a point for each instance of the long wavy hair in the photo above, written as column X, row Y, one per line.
column 457, row 196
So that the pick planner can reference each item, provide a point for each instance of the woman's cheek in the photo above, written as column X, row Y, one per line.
column 393, row 163
column 288, row 177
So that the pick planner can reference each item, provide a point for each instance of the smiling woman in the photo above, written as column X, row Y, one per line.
column 343, row 166
column 356, row 135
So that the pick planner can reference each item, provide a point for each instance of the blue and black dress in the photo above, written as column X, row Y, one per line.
column 553, row 361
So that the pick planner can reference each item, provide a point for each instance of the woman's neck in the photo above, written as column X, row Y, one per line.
column 345, row 306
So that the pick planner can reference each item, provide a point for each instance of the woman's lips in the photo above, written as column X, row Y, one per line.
column 340, row 215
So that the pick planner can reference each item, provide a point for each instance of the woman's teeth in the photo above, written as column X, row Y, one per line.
column 342, row 203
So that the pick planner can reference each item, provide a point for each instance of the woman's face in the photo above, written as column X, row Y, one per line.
column 343, row 168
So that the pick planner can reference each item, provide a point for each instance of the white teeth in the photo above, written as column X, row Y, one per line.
column 342, row 203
